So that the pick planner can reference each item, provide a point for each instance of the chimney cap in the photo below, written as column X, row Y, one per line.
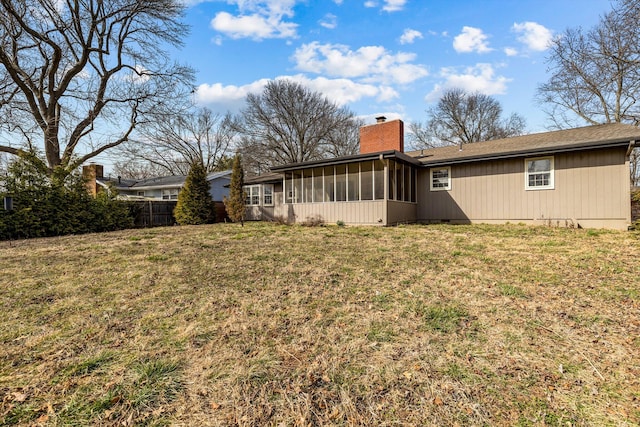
column 381, row 119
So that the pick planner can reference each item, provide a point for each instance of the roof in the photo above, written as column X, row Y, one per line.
column 163, row 181
column 174, row 181
column 221, row 174
column 263, row 178
column 388, row 154
column 584, row 138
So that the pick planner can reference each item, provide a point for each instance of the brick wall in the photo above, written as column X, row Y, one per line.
column 382, row 136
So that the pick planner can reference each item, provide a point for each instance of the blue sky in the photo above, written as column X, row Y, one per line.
column 390, row 57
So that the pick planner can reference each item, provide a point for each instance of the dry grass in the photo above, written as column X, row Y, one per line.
column 287, row 325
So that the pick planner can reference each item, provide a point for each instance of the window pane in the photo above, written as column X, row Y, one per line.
column 392, row 180
column 414, row 188
column 542, row 165
column 268, row 194
column 341, row 183
column 378, row 179
column 399, row 182
column 328, row 184
column 297, row 187
column 366, row 181
column 440, row 178
column 307, row 183
column 407, row 183
column 354, row 182
column 317, row 185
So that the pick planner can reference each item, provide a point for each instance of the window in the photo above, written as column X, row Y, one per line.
column 538, row 173
column 267, row 196
column 141, row 193
column 252, row 193
column 441, row 179
column 171, row 194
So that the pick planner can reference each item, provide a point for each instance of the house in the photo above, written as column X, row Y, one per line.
column 160, row 188
column 577, row 177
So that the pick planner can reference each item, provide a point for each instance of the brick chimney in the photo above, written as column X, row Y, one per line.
column 382, row 136
column 90, row 173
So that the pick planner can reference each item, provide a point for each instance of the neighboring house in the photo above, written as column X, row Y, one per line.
column 577, row 177
column 161, row 188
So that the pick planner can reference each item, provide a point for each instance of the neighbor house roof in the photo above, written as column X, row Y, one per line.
column 589, row 137
column 163, row 182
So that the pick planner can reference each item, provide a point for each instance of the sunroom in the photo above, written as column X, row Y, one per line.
column 374, row 188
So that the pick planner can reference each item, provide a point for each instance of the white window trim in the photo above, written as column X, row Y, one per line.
column 264, row 194
column 447, row 187
column 169, row 193
column 551, row 185
column 248, row 190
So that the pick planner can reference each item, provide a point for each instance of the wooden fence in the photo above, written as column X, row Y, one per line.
column 158, row 213
column 153, row 213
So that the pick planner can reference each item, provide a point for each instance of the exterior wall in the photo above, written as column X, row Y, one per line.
column 370, row 212
column 401, row 212
column 364, row 212
column 382, row 136
column 217, row 188
column 591, row 190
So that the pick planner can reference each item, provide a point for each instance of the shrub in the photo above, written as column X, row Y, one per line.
column 235, row 203
column 195, row 205
column 55, row 203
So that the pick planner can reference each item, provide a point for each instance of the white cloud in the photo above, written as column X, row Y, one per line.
column 388, row 5
column 340, row 91
column 369, row 63
column 471, row 40
column 393, row 5
column 138, row 75
column 329, row 21
column 257, row 19
column 338, row 2
column 252, row 26
column 510, row 51
column 409, row 36
column 533, row 35
column 479, row 78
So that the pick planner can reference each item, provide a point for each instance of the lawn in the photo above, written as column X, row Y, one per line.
column 288, row 325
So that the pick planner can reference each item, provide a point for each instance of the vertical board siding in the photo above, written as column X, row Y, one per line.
column 590, row 186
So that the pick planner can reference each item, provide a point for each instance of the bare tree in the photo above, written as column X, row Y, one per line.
column 463, row 118
column 288, row 123
column 77, row 77
column 171, row 144
column 595, row 74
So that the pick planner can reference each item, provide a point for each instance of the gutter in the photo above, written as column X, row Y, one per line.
column 523, row 153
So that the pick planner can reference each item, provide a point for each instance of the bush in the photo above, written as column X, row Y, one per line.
column 195, row 205
column 53, row 204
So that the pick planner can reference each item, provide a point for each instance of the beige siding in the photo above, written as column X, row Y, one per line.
column 364, row 212
column 400, row 212
column 591, row 188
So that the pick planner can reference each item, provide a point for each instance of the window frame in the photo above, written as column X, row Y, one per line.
column 169, row 193
column 551, row 172
column 447, row 187
column 265, row 195
column 251, row 196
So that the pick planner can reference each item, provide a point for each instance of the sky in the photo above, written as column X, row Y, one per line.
column 380, row 57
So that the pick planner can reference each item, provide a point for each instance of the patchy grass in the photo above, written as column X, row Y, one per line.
column 286, row 325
